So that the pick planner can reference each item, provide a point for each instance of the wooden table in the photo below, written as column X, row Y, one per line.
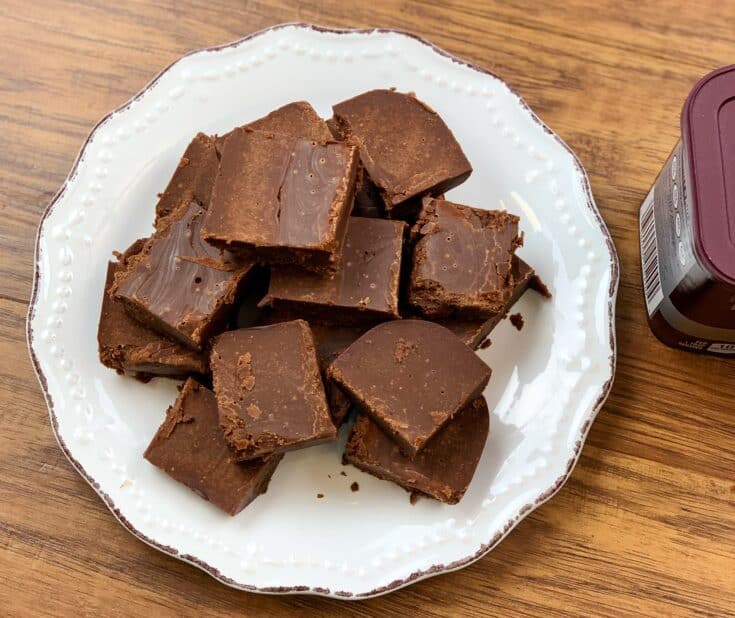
column 645, row 525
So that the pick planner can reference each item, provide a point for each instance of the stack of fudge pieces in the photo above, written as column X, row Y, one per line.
column 300, row 269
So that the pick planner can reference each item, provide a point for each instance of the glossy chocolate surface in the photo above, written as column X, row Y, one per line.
column 442, row 470
column 129, row 347
column 190, row 447
column 286, row 198
column 178, row 284
column 410, row 377
column 269, row 389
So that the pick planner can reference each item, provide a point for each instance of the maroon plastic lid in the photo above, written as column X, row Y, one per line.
column 708, row 130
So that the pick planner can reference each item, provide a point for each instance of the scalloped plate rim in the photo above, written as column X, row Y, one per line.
column 433, row 569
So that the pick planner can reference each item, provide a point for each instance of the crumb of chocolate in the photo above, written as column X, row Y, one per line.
column 486, row 344
column 355, row 486
column 329, row 476
column 253, row 411
column 343, row 473
column 403, row 349
column 437, row 417
column 320, row 496
column 414, row 497
column 245, row 371
column 517, row 320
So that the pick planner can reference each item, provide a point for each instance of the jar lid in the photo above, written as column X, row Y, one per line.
column 708, row 130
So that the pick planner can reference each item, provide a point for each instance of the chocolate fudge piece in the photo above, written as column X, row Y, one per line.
column 285, row 199
column 462, row 260
column 365, row 289
column 269, row 389
column 411, row 377
column 129, row 347
column 193, row 178
column 442, row 470
column 189, row 447
column 330, row 342
column 474, row 332
column 406, row 148
column 295, row 119
column 179, row 285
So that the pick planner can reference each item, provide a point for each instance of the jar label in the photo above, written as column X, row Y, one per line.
column 649, row 255
column 685, row 307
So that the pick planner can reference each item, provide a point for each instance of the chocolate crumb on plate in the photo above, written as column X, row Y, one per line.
column 517, row 320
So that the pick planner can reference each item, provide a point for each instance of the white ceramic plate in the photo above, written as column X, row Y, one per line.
column 548, row 380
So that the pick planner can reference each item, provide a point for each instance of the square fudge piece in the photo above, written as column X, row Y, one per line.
column 269, row 389
column 285, row 199
column 295, row 119
column 129, row 347
column 405, row 146
column 442, row 470
column 190, row 448
column 474, row 332
column 365, row 288
column 179, row 285
column 330, row 342
column 193, row 178
column 411, row 377
column 462, row 260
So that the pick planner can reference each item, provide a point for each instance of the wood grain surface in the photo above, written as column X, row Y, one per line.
column 645, row 525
